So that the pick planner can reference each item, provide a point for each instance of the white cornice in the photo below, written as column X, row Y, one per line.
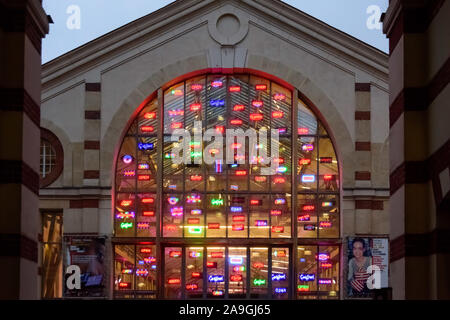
column 83, row 57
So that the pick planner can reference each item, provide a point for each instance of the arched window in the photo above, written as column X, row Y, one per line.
column 51, row 158
column 230, row 198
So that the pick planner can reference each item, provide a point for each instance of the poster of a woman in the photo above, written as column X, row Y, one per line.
column 359, row 260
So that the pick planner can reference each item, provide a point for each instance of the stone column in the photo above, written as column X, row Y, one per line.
column 23, row 24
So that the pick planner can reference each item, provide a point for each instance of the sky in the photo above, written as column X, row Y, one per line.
column 77, row 22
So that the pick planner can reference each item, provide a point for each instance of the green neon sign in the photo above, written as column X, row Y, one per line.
column 195, row 230
column 196, row 154
column 259, row 282
column 217, row 202
column 126, row 225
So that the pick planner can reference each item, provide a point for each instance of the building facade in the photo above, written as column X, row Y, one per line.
column 113, row 200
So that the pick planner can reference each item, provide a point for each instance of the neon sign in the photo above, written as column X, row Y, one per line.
column 143, row 177
column 220, row 129
column 175, row 254
column 260, row 178
column 142, row 272
column 177, row 92
column 256, row 202
column 261, row 87
column 303, row 288
column 148, row 213
column 143, row 166
column 308, row 207
column 192, row 286
column 280, row 201
column 278, row 276
column 282, row 130
column 257, row 103
column 279, row 180
column 195, row 107
column 304, row 162
column 307, row 277
column 328, row 177
column 196, row 87
column 305, row 217
column 236, row 209
column 173, row 281
column 148, row 200
column 171, row 227
column 217, row 103
column 173, row 200
column 217, row 254
column 308, row 178
column 259, row 282
column 236, row 277
column 174, row 113
column 323, row 256
column 150, row 260
column 261, row 223
column 236, row 260
column 129, row 173
column 256, row 117
column 123, row 285
column 196, row 275
column 280, row 290
column 127, row 159
column 217, row 293
column 143, row 225
column 239, row 269
column 147, row 129
column 236, row 145
column 150, row 115
column 237, row 227
column 275, row 212
column 308, row 147
column 277, row 229
column 327, row 204
column 326, row 265
column 236, row 122
column 303, row 130
column 234, row 88
column 240, row 173
column 238, row 107
column 217, row 202
column 211, row 264
column 195, row 230
column 125, row 215
column 215, row 278
column 279, row 253
column 213, row 226
column 282, row 169
column 176, row 125
column 238, row 218
column 176, row 211
column 193, row 199
column 324, row 281
column 326, row 160
column 145, row 146
column 126, row 203
column 195, row 254
column 325, row 224
column 216, row 84
column 127, row 271
column 309, row 227
column 126, row 225
column 277, row 114
column 258, row 265
column 196, row 211
column 193, row 221
column 279, row 96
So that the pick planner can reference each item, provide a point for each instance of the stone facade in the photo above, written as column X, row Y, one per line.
column 91, row 94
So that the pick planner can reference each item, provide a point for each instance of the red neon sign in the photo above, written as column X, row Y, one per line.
column 124, row 285
column 216, row 84
column 211, row 264
column 237, row 227
column 126, row 203
column 326, row 160
column 150, row 115
column 240, row 172
column 326, row 265
column 143, row 177
column 196, row 87
column 192, row 286
column 147, row 129
column 174, row 254
column 235, row 89
column 303, row 130
column 213, row 225
column 308, row 207
column 145, row 250
column 177, row 92
column 148, row 213
column 236, row 122
column 325, row 224
column 304, row 217
column 238, row 218
column 196, row 275
column 277, row 114
column 236, row 277
column 256, row 117
column 239, row 107
column 171, row 227
column 260, row 178
column 176, row 125
column 279, row 96
column 217, row 254
column 195, row 107
column 173, row 281
column 196, row 178
column 303, row 162
column 255, row 202
column 193, row 221
column 261, row 87
column 328, row 177
column 174, row 113
column 277, row 229
column 279, row 160
column 258, row 265
column 148, row 200
column 220, row 129
column 275, row 212
column 279, row 180
column 257, row 103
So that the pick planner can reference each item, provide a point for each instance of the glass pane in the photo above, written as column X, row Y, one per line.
column 124, row 267
column 172, row 273
column 238, row 217
column 195, row 220
column 194, row 272
column 259, row 216
column 307, row 121
column 173, row 214
column 52, row 271
column 215, row 268
column 146, row 273
column 280, row 273
column 307, row 216
column 307, row 164
column 328, row 276
column 328, row 169
column 237, row 267
column 329, row 216
column 307, row 271
column 280, row 215
column 259, row 281
column 52, row 228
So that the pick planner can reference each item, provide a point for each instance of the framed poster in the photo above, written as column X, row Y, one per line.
column 88, row 254
column 367, row 266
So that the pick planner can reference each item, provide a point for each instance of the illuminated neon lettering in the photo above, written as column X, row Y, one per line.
column 143, row 177
column 234, row 89
column 196, row 211
column 261, row 87
column 147, row 129
column 236, row 122
column 143, row 166
column 308, row 178
column 278, row 276
column 238, row 107
column 257, row 103
column 127, row 159
column 196, row 87
column 256, row 116
column 150, row 115
column 259, row 282
column 173, row 200
column 217, row 103
column 145, row 146
column 236, row 277
column 277, row 229
column 217, row 202
column 261, row 223
column 237, row 227
column 176, row 211
column 307, row 277
column 125, row 215
column 215, row 278
column 175, row 254
column 279, row 96
column 277, row 114
column 275, row 212
column 178, row 112
column 129, row 173
column 195, row 107
column 305, row 217
column 126, row 225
